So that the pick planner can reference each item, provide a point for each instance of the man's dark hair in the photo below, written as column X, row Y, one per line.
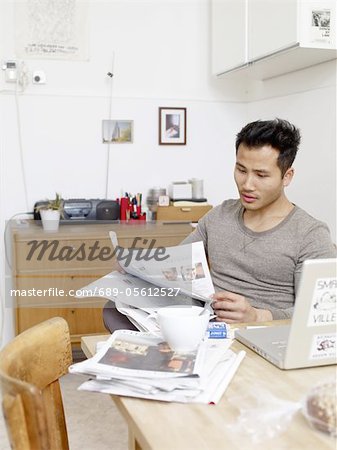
column 278, row 133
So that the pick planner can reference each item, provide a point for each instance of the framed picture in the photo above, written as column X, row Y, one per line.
column 117, row 131
column 172, row 126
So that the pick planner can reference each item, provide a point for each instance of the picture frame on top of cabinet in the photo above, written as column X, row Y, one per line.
column 172, row 126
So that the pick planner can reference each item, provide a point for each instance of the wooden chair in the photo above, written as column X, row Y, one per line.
column 30, row 366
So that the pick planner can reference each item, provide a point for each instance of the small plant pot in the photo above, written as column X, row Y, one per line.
column 50, row 219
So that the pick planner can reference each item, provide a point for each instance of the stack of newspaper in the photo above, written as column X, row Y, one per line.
column 152, row 279
column 138, row 364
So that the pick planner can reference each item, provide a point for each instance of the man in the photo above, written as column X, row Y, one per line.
column 256, row 245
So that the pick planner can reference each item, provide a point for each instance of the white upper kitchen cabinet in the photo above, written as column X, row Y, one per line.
column 272, row 26
column 268, row 38
column 229, row 35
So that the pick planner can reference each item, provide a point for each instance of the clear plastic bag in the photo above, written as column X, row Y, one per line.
column 263, row 416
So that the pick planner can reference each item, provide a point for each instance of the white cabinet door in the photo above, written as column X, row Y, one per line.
column 272, row 26
column 229, row 35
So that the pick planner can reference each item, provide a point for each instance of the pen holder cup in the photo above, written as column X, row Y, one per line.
column 124, row 206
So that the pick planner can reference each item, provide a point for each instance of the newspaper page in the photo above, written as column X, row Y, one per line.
column 151, row 281
column 211, row 393
column 216, row 369
column 133, row 291
column 183, row 267
column 134, row 354
column 139, row 318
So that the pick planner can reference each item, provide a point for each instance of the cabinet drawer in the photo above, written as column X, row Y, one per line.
column 185, row 213
column 80, row 320
column 86, row 321
column 54, row 254
column 53, row 289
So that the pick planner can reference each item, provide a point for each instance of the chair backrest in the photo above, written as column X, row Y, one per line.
column 30, row 366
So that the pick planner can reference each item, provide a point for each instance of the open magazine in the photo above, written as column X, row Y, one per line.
column 139, row 365
column 153, row 279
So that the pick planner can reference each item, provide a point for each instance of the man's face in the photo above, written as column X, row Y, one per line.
column 258, row 177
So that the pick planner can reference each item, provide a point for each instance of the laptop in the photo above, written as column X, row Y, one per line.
column 310, row 339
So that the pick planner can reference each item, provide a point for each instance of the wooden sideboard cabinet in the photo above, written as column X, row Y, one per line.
column 57, row 264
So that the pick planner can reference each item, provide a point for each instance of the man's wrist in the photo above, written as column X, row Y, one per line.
column 263, row 315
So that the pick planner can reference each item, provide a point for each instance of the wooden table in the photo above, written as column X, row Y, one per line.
column 174, row 426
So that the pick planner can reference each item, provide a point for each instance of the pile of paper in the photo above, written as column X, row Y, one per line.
column 137, row 364
column 140, row 364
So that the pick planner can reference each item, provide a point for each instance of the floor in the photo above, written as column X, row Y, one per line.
column 92, row 419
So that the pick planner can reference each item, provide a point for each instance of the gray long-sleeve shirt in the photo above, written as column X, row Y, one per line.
column 263, row 266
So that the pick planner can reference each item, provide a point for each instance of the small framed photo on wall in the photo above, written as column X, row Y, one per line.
column 172, row 126
column 117, row 131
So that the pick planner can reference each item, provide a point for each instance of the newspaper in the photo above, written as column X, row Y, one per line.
column 134, row 354
column 184, row 268
column 136, row 364
column 153, row 280
column 142, row 319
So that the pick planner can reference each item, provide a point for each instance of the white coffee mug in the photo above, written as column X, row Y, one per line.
column 182, row 327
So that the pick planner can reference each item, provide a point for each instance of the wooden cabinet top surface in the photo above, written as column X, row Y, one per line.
column 101, row 231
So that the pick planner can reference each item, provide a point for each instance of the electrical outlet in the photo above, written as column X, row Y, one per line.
column 10, row 69
column 39, row 77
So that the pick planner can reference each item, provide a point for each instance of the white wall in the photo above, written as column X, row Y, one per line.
column 161, row 58
column 161, row 52
column 307, row 98
column 62, row 149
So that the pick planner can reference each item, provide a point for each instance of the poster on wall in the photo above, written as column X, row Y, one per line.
column 320, row 25
column 49, row 29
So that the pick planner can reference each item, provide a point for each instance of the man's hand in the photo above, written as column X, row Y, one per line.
column 231, row 308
